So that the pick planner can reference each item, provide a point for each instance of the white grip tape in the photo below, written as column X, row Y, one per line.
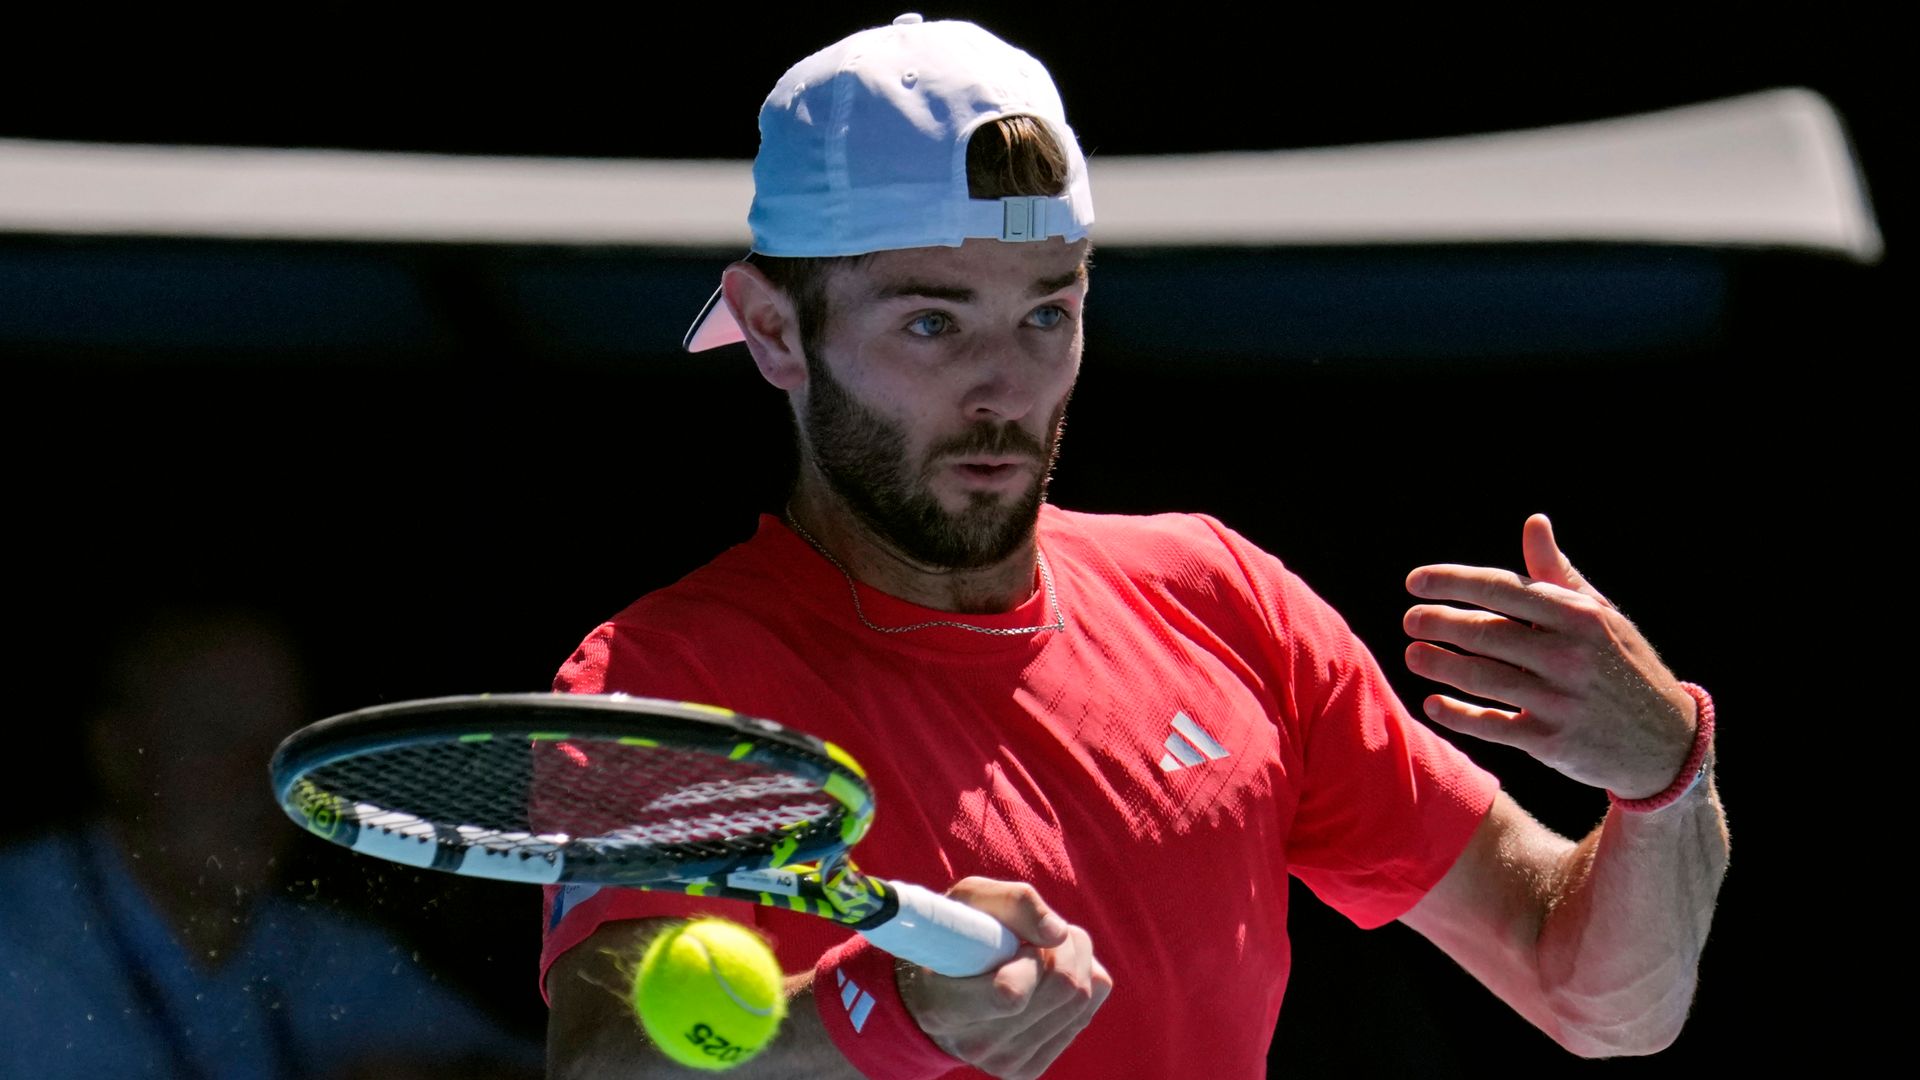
column 942, row 935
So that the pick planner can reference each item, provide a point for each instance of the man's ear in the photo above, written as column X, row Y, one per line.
column 766, row 317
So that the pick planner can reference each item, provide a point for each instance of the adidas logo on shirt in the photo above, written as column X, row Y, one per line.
column 858, row 1002
column 1189, row 745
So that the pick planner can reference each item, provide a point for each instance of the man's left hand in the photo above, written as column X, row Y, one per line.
column 1593, row 699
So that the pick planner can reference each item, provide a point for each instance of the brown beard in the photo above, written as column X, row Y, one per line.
column 863, row 457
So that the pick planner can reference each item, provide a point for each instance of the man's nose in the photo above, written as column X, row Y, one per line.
column 1006, row 379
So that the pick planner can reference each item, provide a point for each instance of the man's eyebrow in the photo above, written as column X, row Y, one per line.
column 961, row 294
column 1054, row 284
column 954, row 294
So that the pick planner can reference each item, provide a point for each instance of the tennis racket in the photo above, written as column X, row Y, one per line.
column 617, row 790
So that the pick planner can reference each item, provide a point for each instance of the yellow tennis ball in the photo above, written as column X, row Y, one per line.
column 709, row 993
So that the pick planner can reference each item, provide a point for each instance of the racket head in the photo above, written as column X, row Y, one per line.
column 585, row 788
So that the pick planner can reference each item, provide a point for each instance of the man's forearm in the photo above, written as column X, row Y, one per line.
column 1619, row 949
column 592, row 1031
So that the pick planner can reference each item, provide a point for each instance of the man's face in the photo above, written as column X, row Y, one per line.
column 934, row 409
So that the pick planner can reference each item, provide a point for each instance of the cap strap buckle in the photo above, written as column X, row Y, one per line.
column 1026, row 218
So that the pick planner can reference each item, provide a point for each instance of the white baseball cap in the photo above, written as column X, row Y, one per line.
column 863, row 147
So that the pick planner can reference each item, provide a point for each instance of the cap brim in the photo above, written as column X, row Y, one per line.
column 715, row 326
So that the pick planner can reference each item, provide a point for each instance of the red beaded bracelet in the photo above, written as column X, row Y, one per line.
column 1693, row 770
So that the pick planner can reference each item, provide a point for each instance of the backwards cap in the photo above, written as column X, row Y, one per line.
column 863, row 147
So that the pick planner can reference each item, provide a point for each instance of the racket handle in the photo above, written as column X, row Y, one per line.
column 942, row 935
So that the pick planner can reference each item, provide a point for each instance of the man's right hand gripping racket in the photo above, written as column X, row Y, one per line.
column 616, row 790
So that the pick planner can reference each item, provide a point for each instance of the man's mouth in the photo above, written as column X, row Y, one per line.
column 989, row 470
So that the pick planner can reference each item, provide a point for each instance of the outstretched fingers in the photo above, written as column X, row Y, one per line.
column 1540, row 603
column 1483, row 633
column 1494, row 725
column 1588, row 695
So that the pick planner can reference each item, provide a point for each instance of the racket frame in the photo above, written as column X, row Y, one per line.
column 807, row 870
column 395, row 835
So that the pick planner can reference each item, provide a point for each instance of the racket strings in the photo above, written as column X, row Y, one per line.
column 595, row 799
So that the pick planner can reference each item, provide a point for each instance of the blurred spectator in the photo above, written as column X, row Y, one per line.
column 158, row 937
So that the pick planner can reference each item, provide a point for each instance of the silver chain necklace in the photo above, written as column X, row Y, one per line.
column 1046, row 577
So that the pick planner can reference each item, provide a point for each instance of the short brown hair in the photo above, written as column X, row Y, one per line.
column 1014, row 155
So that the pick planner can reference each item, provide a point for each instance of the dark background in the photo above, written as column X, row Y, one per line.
column 447, row 463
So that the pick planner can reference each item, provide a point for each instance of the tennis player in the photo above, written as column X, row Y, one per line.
column 1117, row 735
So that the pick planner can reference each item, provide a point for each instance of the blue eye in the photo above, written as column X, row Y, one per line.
column 932, row 324
column 1048, row 317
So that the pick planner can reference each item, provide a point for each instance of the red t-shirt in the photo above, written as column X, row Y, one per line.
column 1203, row 726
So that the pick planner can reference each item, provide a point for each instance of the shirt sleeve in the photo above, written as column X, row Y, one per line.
column 1385, row 805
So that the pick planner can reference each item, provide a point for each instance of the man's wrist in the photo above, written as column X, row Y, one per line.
column 1694, row 771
